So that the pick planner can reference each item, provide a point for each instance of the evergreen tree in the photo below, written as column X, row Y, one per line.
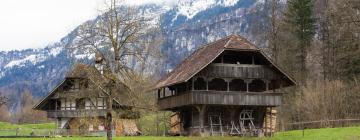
column 299, row 16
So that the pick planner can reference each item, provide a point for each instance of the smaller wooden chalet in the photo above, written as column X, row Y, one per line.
column 78, row 103
column 227, row 87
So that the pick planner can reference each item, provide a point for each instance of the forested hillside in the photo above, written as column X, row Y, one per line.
column 318, row 43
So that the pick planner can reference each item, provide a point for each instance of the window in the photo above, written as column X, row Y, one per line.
column 88, row 104
column 62, row 103
column 73, row 105
column 67, row 104
column 101, row 103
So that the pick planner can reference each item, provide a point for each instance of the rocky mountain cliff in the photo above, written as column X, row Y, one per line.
column 185, row 25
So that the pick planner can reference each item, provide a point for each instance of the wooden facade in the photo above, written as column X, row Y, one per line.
column 228, row 87
column 80, row 106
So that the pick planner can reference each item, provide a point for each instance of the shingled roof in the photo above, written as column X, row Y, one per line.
column 205, row 55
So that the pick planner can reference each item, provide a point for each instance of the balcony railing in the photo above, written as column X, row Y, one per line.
column 76, row 113
column 220, row 98
column 239, row 71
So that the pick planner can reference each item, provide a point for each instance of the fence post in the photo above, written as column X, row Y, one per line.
column 303, row 131
column 16, row 131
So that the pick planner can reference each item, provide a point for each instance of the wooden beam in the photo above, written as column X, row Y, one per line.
column 201, row 109
column 228, row 85
column 271, row 121
column 56, row 104
column 163, row 92
column 253, row 60
column 193, row 83
column 159, row 93
column 207, row 84
column 247, row 81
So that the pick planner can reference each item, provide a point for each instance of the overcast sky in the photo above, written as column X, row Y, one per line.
column 37, row 23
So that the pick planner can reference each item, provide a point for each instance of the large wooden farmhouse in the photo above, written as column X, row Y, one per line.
column 228, row 87
column 78, row 103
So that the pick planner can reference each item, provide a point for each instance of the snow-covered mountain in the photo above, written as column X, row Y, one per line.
column 186, row 25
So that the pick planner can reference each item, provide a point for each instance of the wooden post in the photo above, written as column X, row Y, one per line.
column 157, row 123
column 193, row 83
column 253, row 60
column 201, row 109
column 247, row 87
column 159, row 90
column 164, row 124
column 266, row 122
column 303, row 131
column 271, row 121
column 267, row 82
column 247, row 81
column 228, row 84
column 163, row 92
column 207, row 84
column 56, row 105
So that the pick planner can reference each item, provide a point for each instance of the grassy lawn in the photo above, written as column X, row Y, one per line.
column 7, row 129
column 346, row 133
column 6, row 125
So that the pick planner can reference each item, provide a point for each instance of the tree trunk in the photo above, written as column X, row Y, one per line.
column 109, row 119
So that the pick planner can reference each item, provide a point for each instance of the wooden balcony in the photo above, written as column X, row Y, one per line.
column 220, row 98
column 239, row 71
column 76, row 113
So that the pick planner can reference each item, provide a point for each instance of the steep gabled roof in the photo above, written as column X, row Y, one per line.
column 202, row 57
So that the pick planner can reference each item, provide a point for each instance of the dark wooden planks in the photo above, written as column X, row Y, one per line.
column 220, row 98
column 239, row 71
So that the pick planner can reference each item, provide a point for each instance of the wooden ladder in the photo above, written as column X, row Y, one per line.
column 215, row 124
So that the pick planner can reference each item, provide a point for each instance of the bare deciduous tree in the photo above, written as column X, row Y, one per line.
column 126, row 43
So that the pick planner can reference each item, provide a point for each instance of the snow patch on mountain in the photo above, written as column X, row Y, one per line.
column 191, row 8
column 55, row 51
column 29, row 59
column 41, row 67
column 227, row 3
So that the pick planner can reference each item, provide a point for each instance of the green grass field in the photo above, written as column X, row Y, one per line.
column 5, row 125
column 346, row 133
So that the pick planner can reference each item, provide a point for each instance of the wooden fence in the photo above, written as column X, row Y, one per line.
column 322, row 124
